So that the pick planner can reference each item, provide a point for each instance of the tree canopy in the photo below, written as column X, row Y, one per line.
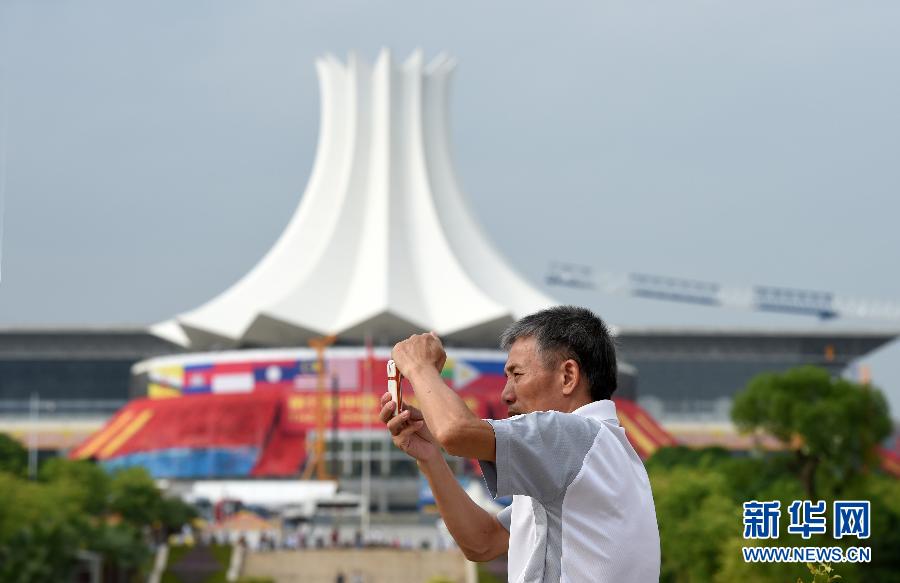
column 13, row 457
column 73, row 506
column 831, row 424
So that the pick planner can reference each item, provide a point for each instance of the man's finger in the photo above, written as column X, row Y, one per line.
column 385, row 398
column 402, row 438
column 396, row 424
column 387, row 411
column 408, row 431
column 397, row 429
column 414, row 414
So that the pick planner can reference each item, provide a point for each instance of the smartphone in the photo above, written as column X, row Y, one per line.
column 394, row 386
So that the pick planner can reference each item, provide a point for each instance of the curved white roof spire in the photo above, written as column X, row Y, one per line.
column 383, row 242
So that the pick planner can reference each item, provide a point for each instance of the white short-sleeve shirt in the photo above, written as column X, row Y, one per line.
column 582, row 507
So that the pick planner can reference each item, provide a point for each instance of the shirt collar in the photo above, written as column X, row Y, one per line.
column 604, row 410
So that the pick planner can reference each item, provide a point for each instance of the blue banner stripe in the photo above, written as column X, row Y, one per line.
column 493, row 367
column 190, row 462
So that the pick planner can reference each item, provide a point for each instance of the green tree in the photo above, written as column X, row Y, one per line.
column 42, row 552
column 135, row 497
column 40, row 531
column 831, row 425
column 121, row 544
column 86, row 483
column 695, row 517
column 173, row 514
column 13, row 456
column 76, row 505
column 884, row 493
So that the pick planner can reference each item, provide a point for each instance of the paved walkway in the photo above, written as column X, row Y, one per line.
column 357, row 566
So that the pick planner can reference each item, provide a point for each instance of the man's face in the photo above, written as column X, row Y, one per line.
column 529, row 386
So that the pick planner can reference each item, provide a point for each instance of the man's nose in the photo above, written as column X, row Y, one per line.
column 508, row 396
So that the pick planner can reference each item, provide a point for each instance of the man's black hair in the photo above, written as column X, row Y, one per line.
column 570, row 332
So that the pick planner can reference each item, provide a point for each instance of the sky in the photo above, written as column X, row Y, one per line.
column 154, row 151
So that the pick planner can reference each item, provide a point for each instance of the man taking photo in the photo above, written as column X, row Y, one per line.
column 582, row 507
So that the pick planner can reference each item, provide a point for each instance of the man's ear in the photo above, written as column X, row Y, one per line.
column 571, row 377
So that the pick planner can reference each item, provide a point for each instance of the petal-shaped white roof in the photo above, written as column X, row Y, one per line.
column 383, row 243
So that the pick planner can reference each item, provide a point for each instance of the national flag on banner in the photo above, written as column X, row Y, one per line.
column 233, row 377
column 165, row 381
column 465, row 372
column 197, row 378
column 307, row 378
column 343, row 371
column 283, row 374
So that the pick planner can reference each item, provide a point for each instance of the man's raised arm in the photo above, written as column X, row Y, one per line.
column 479, row 535
column 458, row 430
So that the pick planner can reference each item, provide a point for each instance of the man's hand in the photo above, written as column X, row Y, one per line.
column 417, row 352
column 409, row 431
